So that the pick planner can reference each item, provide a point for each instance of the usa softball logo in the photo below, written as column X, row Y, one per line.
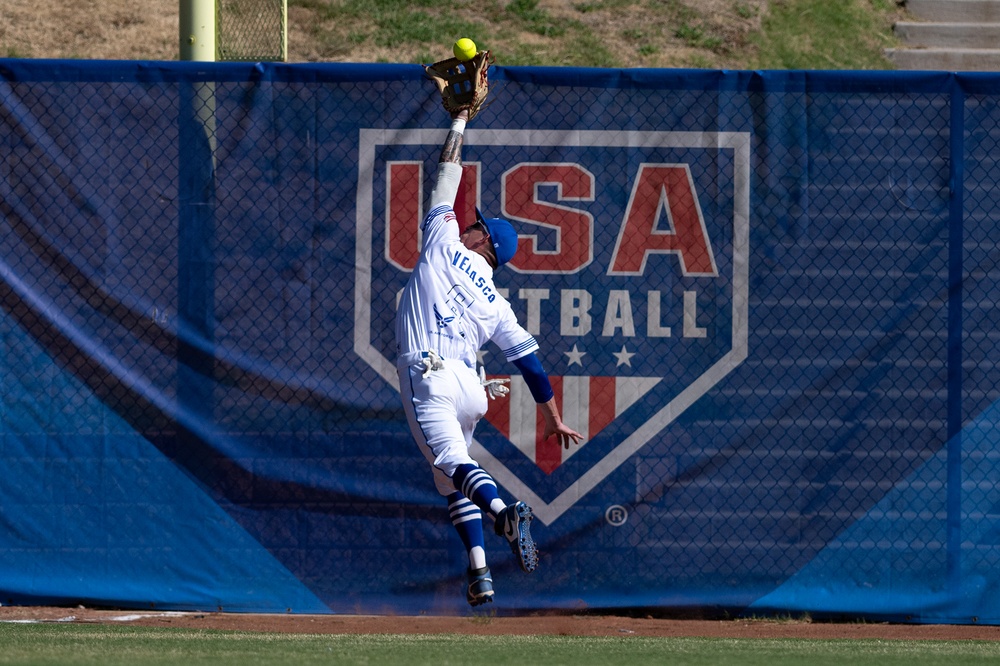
column 631, row 271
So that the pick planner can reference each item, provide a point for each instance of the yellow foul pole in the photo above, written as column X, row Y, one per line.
column 197, row 30
column 196, row 223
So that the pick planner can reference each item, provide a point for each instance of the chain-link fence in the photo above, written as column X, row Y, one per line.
column 251, row 30
column 765, row 299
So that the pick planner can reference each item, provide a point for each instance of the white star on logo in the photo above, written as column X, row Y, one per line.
column 624, row 357
column 575, row 356
column 481, row 356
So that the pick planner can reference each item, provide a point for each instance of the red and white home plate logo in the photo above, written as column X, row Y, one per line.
column 631, row 271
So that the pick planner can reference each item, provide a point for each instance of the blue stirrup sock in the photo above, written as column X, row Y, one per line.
column 476, row 484
column 468, row 522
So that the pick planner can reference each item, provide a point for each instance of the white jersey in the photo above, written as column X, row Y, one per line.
column 450, row 304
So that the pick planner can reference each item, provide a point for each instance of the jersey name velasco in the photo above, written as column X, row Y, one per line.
column 450, row 304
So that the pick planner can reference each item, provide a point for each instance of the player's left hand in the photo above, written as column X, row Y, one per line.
column 494, row 387
column 565, row 434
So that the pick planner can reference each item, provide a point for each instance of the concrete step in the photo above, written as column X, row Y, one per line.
column 950, row 35
column 955, row 11
column 949, row 60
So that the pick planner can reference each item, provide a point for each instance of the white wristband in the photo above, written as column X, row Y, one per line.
column 458, row 125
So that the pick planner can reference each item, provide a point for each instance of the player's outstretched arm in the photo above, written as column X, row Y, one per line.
column 451, row 151
column 541, row 390
column 449, row 175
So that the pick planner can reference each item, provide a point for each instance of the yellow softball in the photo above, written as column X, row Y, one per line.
column 464, row 49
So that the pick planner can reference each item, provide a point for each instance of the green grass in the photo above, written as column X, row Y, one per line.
column 36, row 644
column 695, row 35
column 791, row 34
column 387, row 23
column 823, row 34
column 535, row 19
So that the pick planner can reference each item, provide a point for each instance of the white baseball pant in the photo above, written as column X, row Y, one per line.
column 442, row 410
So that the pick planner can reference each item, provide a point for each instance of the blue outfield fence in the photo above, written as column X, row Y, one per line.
column 767, row 298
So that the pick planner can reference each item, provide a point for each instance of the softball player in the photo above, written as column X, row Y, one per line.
column 450, row 308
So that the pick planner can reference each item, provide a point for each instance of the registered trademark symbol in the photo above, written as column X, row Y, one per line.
column 616, row 515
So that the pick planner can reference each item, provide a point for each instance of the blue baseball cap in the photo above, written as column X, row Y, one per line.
column 502, row 235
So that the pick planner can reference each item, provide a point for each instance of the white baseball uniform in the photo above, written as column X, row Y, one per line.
column 449, row 309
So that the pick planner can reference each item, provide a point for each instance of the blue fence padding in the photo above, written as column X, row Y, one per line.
column 767, row 297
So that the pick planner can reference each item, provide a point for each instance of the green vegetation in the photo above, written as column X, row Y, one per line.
column 535, row 20
column 736, row 34
column 383, row 23
column 716, row 34
column 69, row 644
column 819, row 34
column 694, row 35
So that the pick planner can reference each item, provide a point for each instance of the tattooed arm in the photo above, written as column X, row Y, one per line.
column 450, row 163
